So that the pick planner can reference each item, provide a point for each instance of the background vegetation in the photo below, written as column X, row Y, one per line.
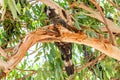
column 43, row 60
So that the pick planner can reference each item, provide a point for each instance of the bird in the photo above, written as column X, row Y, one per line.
column 64, row 47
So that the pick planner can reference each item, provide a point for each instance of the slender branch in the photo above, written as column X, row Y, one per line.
column 2, row 74
column 115, row 5
column 26, row 76
column 114, row 28
column 26, row 70
column 102, row 56
column 3, row 13
column 106, row 24
column 2, row 52
column 35, row 50
column 10, row 49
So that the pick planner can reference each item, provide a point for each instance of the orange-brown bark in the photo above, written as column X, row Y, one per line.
column 49, row 35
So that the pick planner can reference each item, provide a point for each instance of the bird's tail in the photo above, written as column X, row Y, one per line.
column 69, row 67
column 66, row 51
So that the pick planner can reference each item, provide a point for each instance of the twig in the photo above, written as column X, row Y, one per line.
column 26, row 70
column 32, row 2
column 3, row 10
column 114, row 28
column 2, row 74
column 35, row 50
column 2, row 52
column 10, row 49
column 106, row 24
column 101, row 57
column 115, row 5
column 26, row 76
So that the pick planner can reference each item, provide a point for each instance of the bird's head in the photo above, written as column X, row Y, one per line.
column 50, row 12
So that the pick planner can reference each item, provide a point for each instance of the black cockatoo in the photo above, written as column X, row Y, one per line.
column 65, row 48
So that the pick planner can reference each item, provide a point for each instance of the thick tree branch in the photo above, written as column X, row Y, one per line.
column 48, row 34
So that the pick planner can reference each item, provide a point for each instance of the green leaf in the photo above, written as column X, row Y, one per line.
column 13, row 8
column 90, row 33
column 36, row 59
column 19, row 7
column 5, row 3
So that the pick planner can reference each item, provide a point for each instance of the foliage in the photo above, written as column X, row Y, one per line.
column 46, row 62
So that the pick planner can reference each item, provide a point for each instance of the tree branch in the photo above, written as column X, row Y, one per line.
column 61, row 12
column 26, row 76
column 115, row 5
column 48, row 34
column 90, row 63
column 2, row 52
column 105, row 21
column 114, row 28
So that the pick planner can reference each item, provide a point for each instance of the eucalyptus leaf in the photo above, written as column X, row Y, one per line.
column 13, row 8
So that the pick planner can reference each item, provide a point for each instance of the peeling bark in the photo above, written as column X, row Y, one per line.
column 48, row 34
